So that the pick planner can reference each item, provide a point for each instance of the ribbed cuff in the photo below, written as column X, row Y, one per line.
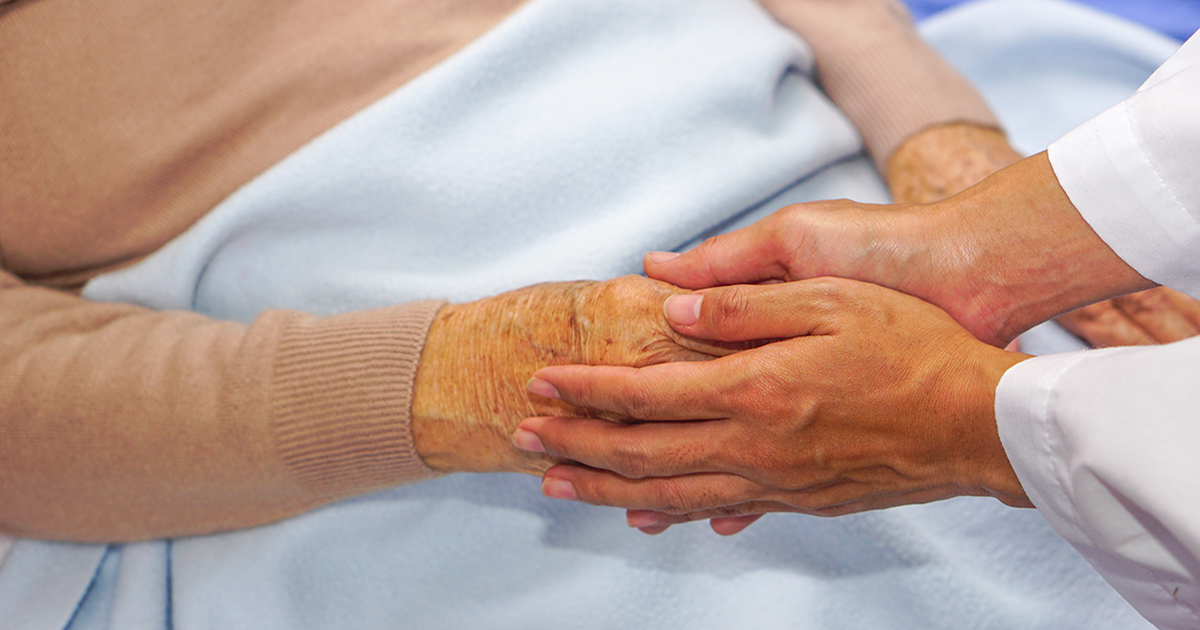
column 341, row 401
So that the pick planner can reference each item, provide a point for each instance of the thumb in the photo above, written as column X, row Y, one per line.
column 749, row 255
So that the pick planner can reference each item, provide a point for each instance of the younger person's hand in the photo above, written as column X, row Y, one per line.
column 861, row 398
column 1000, row 257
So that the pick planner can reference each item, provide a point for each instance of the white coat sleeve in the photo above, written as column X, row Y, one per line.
column 1107, row 443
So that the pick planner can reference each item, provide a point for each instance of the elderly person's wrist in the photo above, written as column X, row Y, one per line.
column 470, row 391
column 470, row 385
column 1017, row 253
column 946, row 159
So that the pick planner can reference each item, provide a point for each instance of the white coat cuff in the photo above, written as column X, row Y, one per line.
column 1068, row 455
column 1023, row 401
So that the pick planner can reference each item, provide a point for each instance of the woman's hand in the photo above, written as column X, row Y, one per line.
column 861, row 398
column 471, row 382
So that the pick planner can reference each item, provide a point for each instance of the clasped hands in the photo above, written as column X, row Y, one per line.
column 859, row 398
column 874, row 362
column 832, row 358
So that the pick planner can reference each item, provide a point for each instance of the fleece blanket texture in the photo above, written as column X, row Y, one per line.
column 563, row 144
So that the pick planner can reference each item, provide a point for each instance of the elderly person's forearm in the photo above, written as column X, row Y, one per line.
column 125, row 423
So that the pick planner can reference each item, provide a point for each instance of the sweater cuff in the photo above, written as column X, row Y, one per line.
column 892, row 84
column 341, row 398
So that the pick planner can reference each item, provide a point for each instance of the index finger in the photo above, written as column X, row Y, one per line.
column 669, row 391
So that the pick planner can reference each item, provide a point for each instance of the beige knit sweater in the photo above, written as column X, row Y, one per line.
column 123, row 122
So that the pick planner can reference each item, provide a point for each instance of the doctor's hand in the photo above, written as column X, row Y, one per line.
column 999, row 257
column 939, row 162
column 858, row 398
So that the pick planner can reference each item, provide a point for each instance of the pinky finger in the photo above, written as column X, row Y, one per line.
column 735, row 513
column 654, row 530
column 730, row 525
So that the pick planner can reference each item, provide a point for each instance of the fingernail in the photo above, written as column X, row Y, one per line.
column 683, row 309
column 542, row 388
column 528, row 441
column 558, row 489
column 661, row 257
column 641, row 519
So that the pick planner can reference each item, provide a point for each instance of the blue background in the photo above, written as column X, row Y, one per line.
column 1177, row 18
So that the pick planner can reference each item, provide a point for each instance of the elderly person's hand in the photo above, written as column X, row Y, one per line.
column 1158, row 315
column 470, row 389
column 861, row 398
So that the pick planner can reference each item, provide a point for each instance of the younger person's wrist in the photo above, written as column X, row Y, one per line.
column 1025, row 254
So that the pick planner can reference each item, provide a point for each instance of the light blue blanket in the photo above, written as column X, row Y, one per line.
column 563, row 144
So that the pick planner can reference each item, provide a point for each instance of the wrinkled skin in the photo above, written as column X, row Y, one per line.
column 471, row 384
column 1158, row 315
